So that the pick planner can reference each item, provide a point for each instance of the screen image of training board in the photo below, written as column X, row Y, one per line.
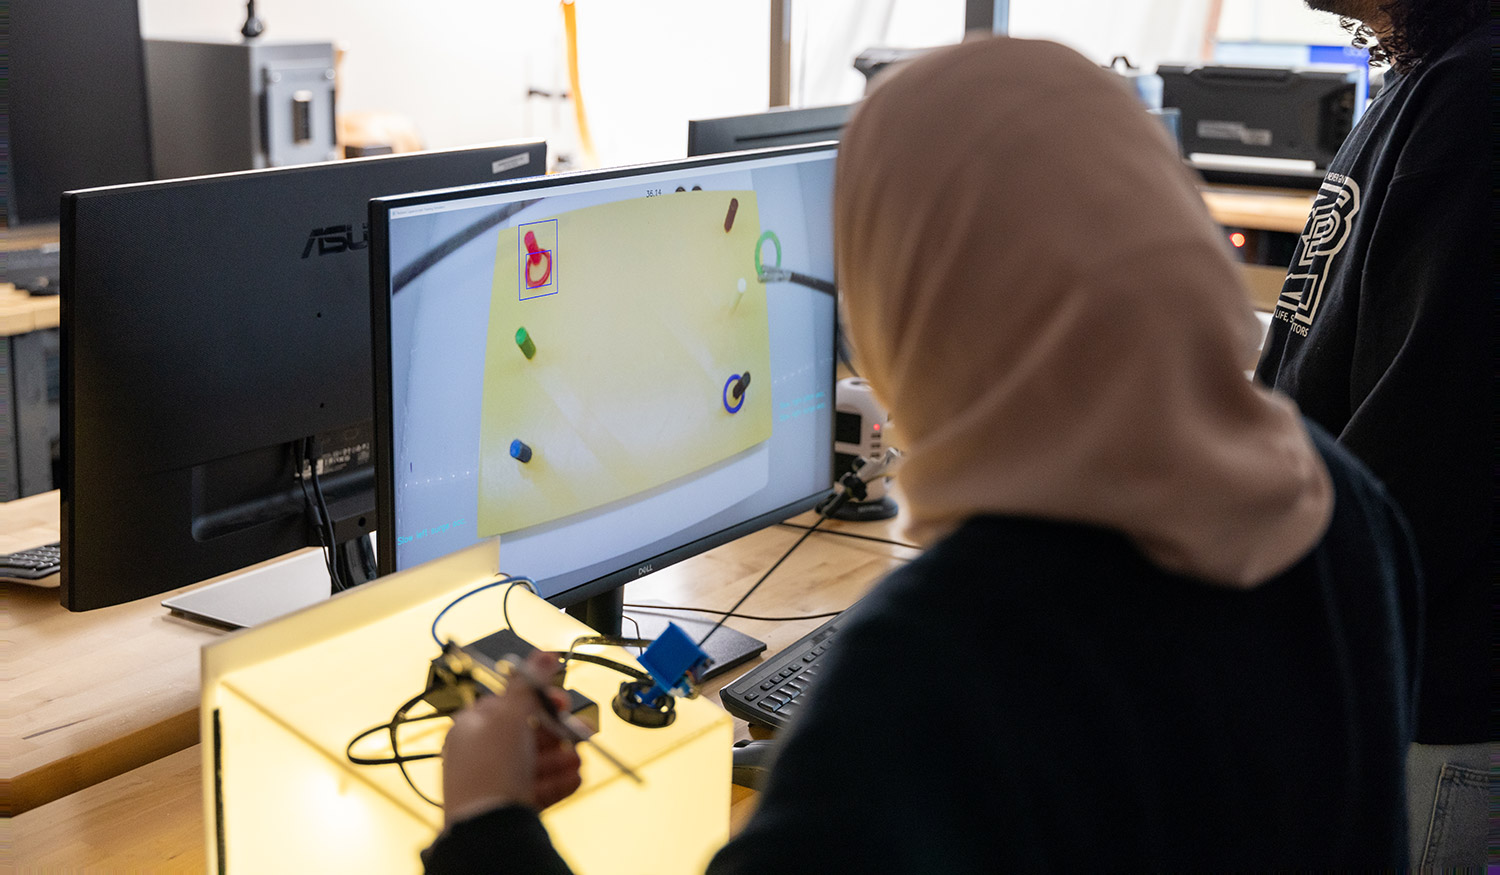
column 610, row 364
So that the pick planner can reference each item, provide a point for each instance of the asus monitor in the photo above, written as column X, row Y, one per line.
column 217, row 403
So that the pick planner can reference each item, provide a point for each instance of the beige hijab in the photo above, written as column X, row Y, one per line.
column 1036, row 291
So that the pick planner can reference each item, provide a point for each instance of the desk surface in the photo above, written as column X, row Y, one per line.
column 92, row 695
column 103, row 766
column 88, row 695
column 22, row 313
column 1270, row 209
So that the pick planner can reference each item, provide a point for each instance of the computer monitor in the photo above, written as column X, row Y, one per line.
column 622, row 369
column 216, row 330
column 774, row 127
column 76, row 114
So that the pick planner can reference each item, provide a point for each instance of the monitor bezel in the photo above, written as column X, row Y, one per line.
column 380, row 310
column 734, row 133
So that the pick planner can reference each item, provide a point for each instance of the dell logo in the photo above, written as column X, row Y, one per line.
column 335, row 239
column 643, row 571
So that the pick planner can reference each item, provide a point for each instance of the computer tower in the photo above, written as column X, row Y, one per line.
column 218, row 107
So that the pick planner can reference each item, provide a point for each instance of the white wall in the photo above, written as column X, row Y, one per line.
column 650, row 65
column 1279, row 21
column 1147, row 32
column 460, row 69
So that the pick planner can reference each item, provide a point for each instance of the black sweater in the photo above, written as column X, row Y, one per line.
column 1036, row 695
column 1382, row 336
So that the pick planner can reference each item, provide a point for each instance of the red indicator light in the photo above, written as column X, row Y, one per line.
column 875, row 427
column 1237, row 239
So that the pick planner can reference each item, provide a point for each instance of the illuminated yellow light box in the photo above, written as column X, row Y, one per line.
column 589, row 305
column 281, row 702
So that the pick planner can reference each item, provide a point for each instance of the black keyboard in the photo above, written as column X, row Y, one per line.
column 774, row 690
column 38, row 562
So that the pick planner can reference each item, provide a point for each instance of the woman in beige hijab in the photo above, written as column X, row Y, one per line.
column 1161, row 624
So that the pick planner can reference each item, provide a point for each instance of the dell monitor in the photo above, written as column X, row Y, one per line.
column 774, row 127
column 77, row 106
column 622, row 369
column 215, row 358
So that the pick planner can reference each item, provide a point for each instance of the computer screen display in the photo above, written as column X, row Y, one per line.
column 215, row 352
column 610, row 371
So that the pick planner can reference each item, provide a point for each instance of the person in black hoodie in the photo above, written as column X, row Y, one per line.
column 1382, row 335
column 1163, row 623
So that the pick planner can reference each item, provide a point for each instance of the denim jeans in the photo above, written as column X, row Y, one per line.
column 1447, row 791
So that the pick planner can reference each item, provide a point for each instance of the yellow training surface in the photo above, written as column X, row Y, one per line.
column 639, row 315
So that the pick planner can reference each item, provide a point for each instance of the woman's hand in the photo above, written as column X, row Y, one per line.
column 499, row 754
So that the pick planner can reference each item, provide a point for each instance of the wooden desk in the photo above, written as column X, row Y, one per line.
column 1269, row 209
column 88, row 696
column 27, row 329
column 151, row 817
column 93, row 695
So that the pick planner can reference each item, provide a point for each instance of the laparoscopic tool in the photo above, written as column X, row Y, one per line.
column 778, row 274
column 495, row 676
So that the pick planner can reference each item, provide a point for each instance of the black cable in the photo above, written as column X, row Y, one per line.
column 570, row 654
column 391, row 760
column 844, row 534
column 339, row 582
column 823, row 514
column 812, row 282
column 426, row 260
column 396, row 751
column 608, row 641
column 303, row 462
column 397, row 759
column 504, row 603
column 737, row 616
column 622, row 668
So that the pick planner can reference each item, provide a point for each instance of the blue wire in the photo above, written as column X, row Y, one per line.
column 529, row 583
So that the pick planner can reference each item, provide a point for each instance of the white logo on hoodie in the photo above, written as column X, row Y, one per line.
column 1323, row 239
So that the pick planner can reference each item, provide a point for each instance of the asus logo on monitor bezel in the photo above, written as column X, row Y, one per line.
column 335, row 239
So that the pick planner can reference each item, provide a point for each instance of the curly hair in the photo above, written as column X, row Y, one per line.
column 1420, row 30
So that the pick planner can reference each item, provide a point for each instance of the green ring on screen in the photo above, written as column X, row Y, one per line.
column 771, row 235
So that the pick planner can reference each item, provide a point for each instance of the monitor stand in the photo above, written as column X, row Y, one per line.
column 606, row 613
column 253, row 597
column 272, row 590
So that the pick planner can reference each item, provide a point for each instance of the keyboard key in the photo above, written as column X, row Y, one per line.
column 32, row 564
column 785, row 681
